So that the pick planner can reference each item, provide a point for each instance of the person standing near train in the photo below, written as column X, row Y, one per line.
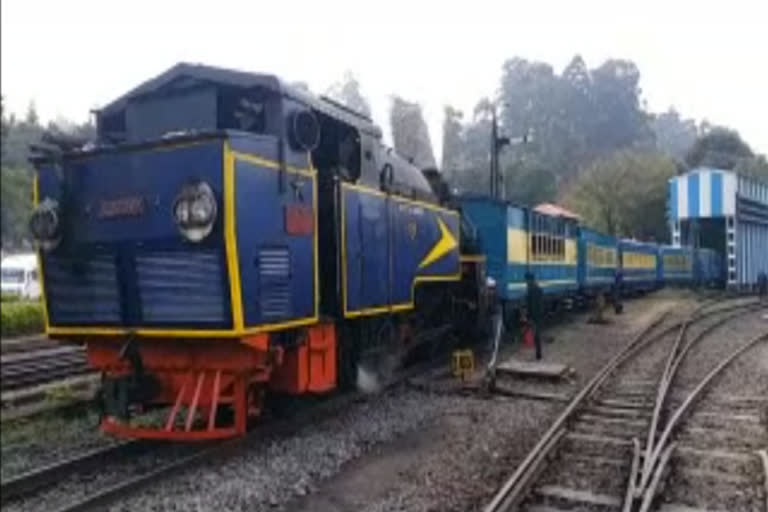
column 535, row 310
column 618, row 281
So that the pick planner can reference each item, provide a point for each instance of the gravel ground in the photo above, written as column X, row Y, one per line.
column 405, row 449
column 32, row 442
column 271, row 471
column 729, row 422
column 748, row 375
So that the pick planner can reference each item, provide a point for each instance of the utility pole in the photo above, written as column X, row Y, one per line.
column 496, row 181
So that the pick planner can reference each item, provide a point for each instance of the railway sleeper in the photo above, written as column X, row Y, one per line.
column 618, row 412
column 614, row 427
column 588, row 473
column 596, row 445
column 715, row 491
column 641, row 402
column 732, row 463
column 567, row 498
column 742, row 438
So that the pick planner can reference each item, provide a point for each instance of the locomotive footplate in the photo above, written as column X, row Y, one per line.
column 204, row 389
column 119, row 393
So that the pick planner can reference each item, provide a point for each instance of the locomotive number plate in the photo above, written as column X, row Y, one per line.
column 131, row 206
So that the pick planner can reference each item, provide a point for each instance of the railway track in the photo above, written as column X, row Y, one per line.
column 628, row 442
column 29, row 368
column 163, row 459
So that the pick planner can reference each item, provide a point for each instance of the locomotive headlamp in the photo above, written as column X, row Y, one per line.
column 195, row 211
column 45, row 224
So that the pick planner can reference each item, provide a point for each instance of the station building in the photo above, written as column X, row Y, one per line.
column 726, row 212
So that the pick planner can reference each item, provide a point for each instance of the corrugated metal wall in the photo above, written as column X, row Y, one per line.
column 751, row 252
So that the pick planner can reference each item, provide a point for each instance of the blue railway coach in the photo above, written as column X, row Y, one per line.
column 598, row 261
column 676, row 265
column 516, row 240
column 640, row 265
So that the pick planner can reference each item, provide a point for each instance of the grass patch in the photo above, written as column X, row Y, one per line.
column 21, row 317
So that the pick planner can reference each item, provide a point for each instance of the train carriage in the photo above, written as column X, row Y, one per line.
column 676, row 265
column 516, row 240
column 598, row 261
column 639, row 265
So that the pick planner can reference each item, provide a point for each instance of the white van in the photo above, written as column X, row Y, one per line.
column 19, row 273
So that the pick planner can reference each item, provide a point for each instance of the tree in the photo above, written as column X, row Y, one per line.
column 576, row 116
column 32, row 118
column 625, row 194
column 674, row 135
column 347, row 92
column 5, row 126
column 620, row 121
column 410, row 133
column 756, row 167
column 452, row 142
column 720, row 148
column 16, row 205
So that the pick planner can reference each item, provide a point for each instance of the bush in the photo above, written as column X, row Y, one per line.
column 21, row 318
column 11, row 297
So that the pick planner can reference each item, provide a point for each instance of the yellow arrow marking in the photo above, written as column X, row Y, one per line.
column 446, row 244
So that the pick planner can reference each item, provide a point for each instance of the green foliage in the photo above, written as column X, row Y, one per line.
column 574, row 118
column 674, row 135
column 16, row 205
column 756, row 167
column 21, row 318
column 720, row 148
column 624, row 194
column 10, row 297
column 17, row 173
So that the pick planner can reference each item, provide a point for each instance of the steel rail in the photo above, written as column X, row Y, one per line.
column 30, row 481
column 674, row 360
column 224, row 449
column 511, row 491
column 763, row 454
column 660, row 451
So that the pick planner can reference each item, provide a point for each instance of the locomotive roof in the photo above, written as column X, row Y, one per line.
column 215, row 75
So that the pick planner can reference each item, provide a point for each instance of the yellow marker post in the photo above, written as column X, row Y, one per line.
column 463, row 364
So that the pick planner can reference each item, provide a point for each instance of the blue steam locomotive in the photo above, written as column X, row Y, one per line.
column 229, row 237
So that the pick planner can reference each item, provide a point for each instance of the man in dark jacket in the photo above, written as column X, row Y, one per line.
column 618, row 281
column 535, row 306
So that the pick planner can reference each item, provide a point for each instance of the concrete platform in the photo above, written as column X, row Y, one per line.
column 546, row 370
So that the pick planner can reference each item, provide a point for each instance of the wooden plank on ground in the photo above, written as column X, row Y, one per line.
column 532, row 369
column 578, row 496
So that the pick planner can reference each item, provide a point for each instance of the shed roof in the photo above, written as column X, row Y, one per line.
column 556, row 211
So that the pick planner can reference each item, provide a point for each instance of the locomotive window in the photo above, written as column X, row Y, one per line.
column 243, row 109
column 339, row 149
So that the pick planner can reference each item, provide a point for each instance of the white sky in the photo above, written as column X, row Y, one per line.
column 709, row 59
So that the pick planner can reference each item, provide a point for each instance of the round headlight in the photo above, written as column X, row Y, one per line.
column 195, row 211
column 45, row 224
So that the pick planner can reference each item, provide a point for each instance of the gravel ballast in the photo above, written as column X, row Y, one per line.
column 407, row 448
